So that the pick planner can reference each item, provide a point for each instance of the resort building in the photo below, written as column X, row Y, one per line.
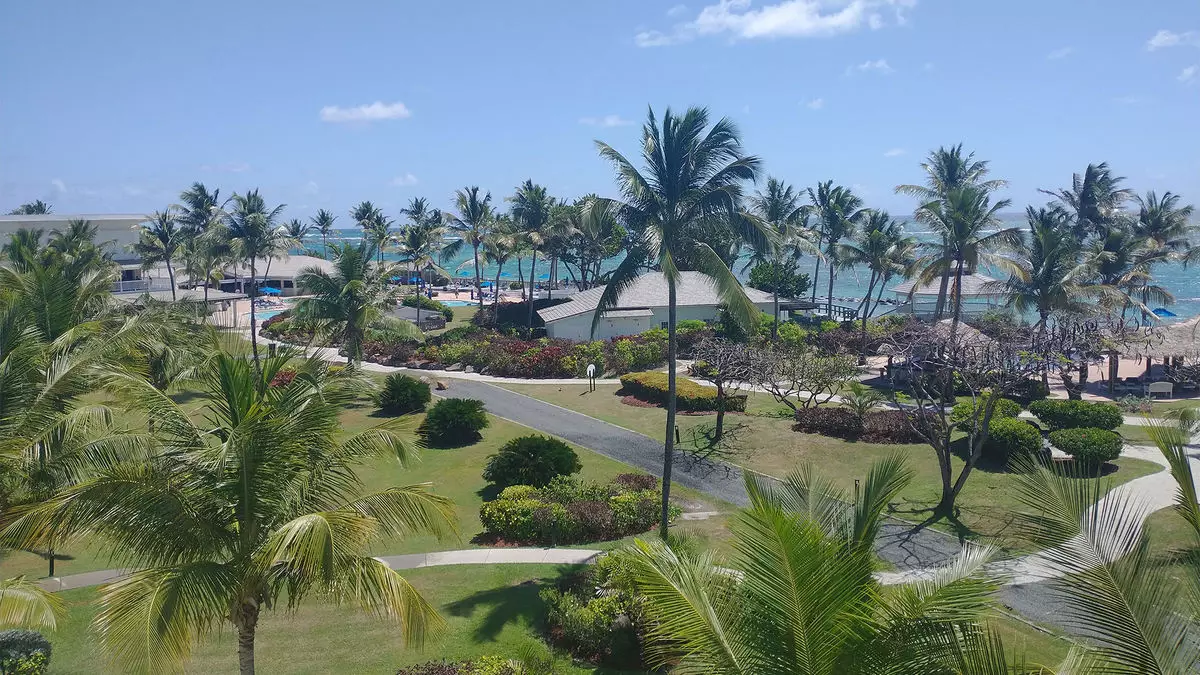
column 118, row 231
column 980, row 293
column 642, row 306
column 279, row 274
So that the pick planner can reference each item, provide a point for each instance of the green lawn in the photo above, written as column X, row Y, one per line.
column 768, row 445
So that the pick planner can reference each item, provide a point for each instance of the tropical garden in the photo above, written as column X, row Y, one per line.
column 176, row 496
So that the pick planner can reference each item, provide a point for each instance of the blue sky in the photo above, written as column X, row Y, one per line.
column 116, row 107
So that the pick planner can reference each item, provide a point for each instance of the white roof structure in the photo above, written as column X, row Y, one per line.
column 973, row 285
column 280, row 268
column 648, row 290
column 181, row 295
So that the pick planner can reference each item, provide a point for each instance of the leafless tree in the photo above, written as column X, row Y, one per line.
column 725, row 364
column 1073, row 343
column 800, row 377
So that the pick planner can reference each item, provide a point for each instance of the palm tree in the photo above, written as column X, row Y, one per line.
column 250, row 501
column 297, row 229
column 376, row 227
column 161, row 240
column 323, row 223
column 947, row 169
column 693, row 172
column 34, row 208
column 474, row 219
column 420, row 213
column 801, row 597
column 253, row 235
column 24, row 604
column 779, row 207
column 1095, row 201
column 200, row 210
column 350, row 298
column 886, row 252
column 836, row 209
column 1050, row 276
column 1163, row 221
column 420, row 245
column 532, row 211
column 499, row 244
column 595, row 234
column 965, row 219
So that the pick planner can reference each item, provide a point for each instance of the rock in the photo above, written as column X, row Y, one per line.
column 441, row 385
column 454, row 367
column 425, row 379
column 469, row 369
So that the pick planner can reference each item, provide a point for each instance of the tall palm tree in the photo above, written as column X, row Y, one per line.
column 966, row 219
column 532, row 211
column 161, row 240
column 297, row 229
column 251, row 501
column 200, row 214
column 1164, row 224
column 376, row 227
column 802, row 598
column 692, row 172
column 205, row 258
column 419, row 213
column 836, row 209
column 348, row 299
column 1095, row 201
column 1050, row 275
column 323, row 223
column 499, row 245
column 946, row 169
column 779, row 207
column 883, row 248
column 420, row 247
column 34, row 208
column 253, row 235
column 200, row 209
column 24, row 604
column 474, row 219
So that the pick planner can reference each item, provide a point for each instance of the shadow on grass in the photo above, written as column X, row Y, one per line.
column 503, row 606
column 184, row 397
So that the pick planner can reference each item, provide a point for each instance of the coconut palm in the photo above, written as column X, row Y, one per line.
column 499, row 245
column 836, row 210
column 1121, row 261
column 420, row 213
column 253, row 235
column 533, row 213
column 801, row 597
column 595, row 235
column 693, row 172
column 780, row 208
column 347, row 300
column 1095, row 201
column 200, row 215
column 883, row 248
column 160, row 241
column 376, row 227
column 1050, row 275
column 966, row 219
column 297, row 229
column 251, row 502
column 947, row 169
column 474, row 219
column 200, row 209
column 24, row 604
column 76, row 245
column 420, row 246
column 34, row 208
column 205, row 258
column 323, row 223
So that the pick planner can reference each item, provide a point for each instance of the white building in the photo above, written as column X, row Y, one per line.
column 641, row 307
column 118, row 231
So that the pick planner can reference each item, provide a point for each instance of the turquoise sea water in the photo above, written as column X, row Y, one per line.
column 850, row 284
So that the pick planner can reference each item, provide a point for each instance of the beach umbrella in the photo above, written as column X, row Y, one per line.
column 1165, row 313
column 414, row 280
column 270, row 290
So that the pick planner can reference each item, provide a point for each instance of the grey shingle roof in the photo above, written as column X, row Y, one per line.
column 648, row 290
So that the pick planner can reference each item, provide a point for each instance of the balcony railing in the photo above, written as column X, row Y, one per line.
column 141, row 286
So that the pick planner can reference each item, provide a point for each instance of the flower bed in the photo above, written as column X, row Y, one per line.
column 568, row 511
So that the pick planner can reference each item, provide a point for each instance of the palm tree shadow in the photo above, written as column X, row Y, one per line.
column 502, row 606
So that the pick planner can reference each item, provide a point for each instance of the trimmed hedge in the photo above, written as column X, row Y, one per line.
column 531, row 460
column 963, row 412
column 1059, row 414
column 1011, row 437
column 454, row 422
column 878, row 426
column 484, row 665
column 567, row 511
column 24, row 651
column 1089, row 447
column 402, row 394
column 429, row 304
column 690, row 395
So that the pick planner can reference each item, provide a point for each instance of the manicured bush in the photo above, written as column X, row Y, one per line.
column 889, row 426
column 1059, row 414
column 1010, row 437
column 24, row 652
column 531, row 460
column 402, row 394
column 690, row 395
column 454, row 422
column 429, row 304
column 1089, row 447
column 828, row 421
column 1029, row 391
column 636, row 481
column 879, row 426
column 963, row 413
column 589, row 627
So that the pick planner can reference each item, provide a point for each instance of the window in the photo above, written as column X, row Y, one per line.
column 663, row 325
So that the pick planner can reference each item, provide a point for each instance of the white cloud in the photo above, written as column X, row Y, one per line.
column 1060, row 53
column 404, row 180
column 606, row 121
column 58, row 184
column 1188, row 74
column 784, row 19
column 677, row 10
column 366, row 113
column 877, row 66
column 894, row 152
column 311, row 188
column 1166, row 38
column 815, row 104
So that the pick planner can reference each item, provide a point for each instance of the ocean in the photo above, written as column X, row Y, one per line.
column 850, row 284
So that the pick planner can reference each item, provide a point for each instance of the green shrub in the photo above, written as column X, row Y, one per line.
column 454, row 422
column 402, row 394
column 24, row 652
column 1059, row 414
column 430, row 304
column 589, row 627
column 531, row 460
column 1011, row 437
column 689, row 394
column 1089, row 447
column 962, row 413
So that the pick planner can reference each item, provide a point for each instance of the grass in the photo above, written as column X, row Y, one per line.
column 462, row 317
column 489, row 610
column 986, row 506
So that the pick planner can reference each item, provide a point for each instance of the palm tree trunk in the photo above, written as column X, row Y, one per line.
column 941, row 299
column 669, row 444
column 553, row 277
column 496, row 290
column 720, row 429
column 254, row 340
column 829, row 298
column 324, row 246
column 171, row 279
column 957, row 298
column 816, row 275
column 478, row 286
column 247, row 624
column 532, row 271
column 866, row 311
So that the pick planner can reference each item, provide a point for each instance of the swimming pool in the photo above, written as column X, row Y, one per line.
column 457, row 303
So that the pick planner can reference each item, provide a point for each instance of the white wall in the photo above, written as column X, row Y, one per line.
column 578, row 327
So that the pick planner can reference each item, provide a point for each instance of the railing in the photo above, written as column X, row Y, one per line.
column 140, row 286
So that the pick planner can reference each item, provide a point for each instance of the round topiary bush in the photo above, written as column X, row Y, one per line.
column 1059, row 414
column 1010, row 437
column 531, row 460
column 963, row 412
column 24, row 651
column 403, row 394
column 454, row 422
column 1089, row 447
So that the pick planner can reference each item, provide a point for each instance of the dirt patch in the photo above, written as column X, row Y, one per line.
column 636, row 402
